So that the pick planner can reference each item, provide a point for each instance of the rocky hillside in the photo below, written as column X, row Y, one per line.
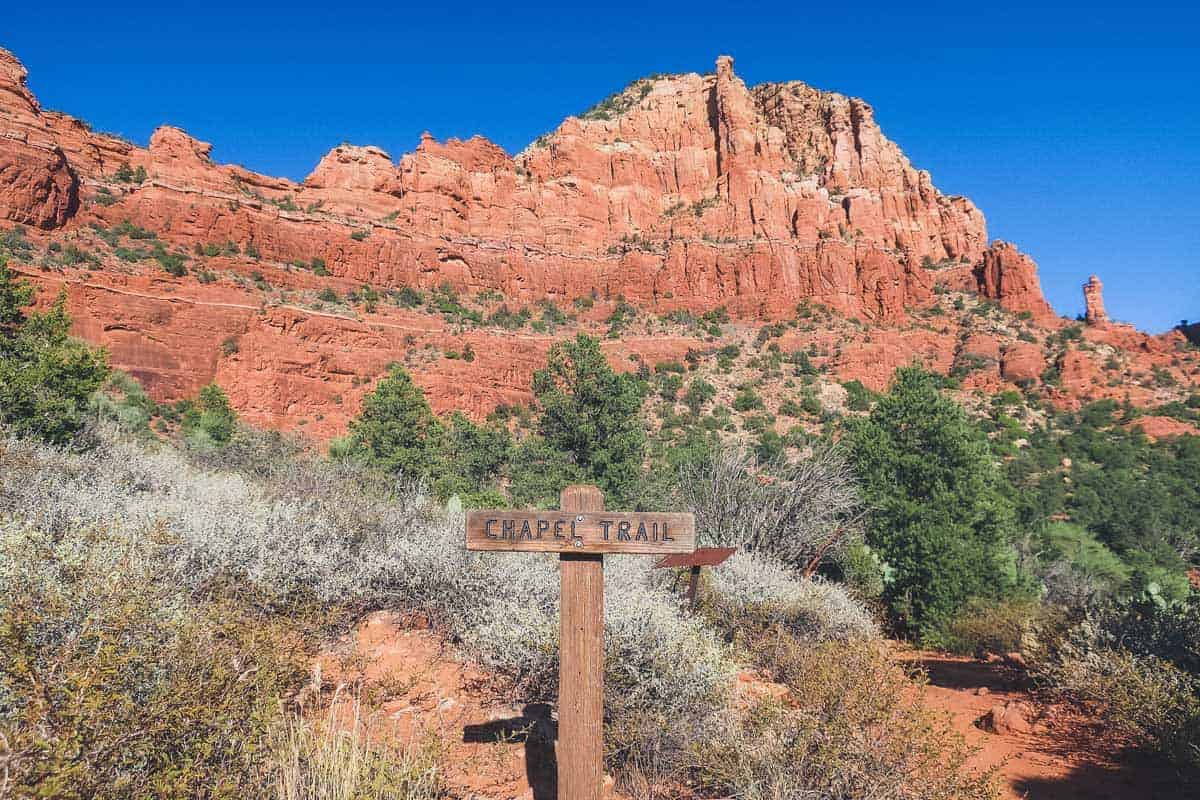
column 676, row 217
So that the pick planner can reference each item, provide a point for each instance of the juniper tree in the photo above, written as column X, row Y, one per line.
column 591, row 413
column 46, row 376
column 396, row 429
column 939, row 517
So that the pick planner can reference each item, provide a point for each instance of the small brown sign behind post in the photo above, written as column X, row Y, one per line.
column 581, row 533
column 702, row 557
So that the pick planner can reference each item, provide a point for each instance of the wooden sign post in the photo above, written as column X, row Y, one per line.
column 581, row 533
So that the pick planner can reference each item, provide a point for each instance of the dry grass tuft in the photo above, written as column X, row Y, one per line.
column 851, row 726
column 333, row 758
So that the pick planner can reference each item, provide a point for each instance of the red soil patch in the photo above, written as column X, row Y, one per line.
column 491, row 749
column 496, row 750
column 1065, row 754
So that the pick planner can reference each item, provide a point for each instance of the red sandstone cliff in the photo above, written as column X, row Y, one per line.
column 694, row 192
column 680, row 192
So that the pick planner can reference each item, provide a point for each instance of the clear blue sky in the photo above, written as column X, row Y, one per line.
column 1075, row 128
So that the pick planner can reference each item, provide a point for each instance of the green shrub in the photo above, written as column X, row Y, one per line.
column 552, row 316
column 131, row 254
column 1079, row 570
column 407, row 297
column 46, row 377
column 669, row 385
column 811, row 405
column 858, row 396
column 747, row 400
column 622, row 314
column 444, row 300
column 804, row 365
column 1139, row 695
column 172, row 263
column 983, row 627
column 74, row 255
column 790, row 408
column 209, row 420
column 508, row 319
column 770, row 445
column 124, row 402
column 616, row 105
column 699, row 392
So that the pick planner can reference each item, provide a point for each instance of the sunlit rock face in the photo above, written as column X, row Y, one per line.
column 681, row 192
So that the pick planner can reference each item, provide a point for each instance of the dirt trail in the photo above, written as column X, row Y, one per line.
column 493, row 750
column 1064, row 755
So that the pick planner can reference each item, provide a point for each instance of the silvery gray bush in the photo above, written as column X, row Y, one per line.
column 290, row 527
column 326, row 531
column 811, row 608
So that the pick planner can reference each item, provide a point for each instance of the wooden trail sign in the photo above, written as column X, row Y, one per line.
column 703, row 557
column 581, row 533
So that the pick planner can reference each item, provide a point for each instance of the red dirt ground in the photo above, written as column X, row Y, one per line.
column 1065, row 757
column 490, row 749
column 493, row 750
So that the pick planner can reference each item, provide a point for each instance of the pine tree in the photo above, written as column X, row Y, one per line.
column 46, row 376
column 591, row 413
column 397, row 429
column 940, row 519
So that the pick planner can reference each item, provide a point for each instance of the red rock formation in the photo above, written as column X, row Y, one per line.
column 1022, row 362
column 1093, row 298
column 37, row 185
column 1159, row 427
column 362, row 169
column 695, row 192
column 680, row 192
column 1010, row 277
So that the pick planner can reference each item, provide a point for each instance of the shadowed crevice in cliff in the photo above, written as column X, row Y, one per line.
column 714, row 122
